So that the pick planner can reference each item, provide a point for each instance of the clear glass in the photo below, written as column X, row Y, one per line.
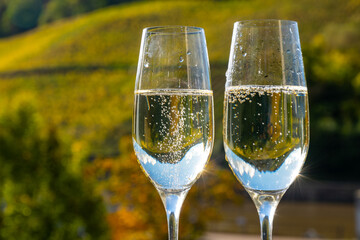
column 266, row 117
column 173, row 126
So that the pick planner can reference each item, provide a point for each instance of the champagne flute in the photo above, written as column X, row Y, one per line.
column 173, row 126
column 266, row 120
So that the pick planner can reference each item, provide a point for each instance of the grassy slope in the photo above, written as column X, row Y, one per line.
column 81, row 71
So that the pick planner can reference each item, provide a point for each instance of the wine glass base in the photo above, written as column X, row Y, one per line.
column 260, row 196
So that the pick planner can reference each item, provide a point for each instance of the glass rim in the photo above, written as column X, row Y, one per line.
column 264, row 22
column 173, row 29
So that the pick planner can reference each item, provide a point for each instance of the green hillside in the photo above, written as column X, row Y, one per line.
column 81, row 71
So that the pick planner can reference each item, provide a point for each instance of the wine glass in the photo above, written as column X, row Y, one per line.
column 266, row 120
column 173, row 126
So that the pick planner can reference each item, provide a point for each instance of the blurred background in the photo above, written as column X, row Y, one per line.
column 67, row 168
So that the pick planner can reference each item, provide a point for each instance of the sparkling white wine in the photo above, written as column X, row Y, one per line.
column 266, row 134
column 173, row 135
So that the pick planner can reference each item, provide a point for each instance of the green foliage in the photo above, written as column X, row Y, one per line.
column 20, row 15
column 42, row 198
column 58, row 9
column 333, row 70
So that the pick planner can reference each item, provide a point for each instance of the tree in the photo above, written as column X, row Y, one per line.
column 332, row 67
column 42, row 198
column 17, row 16
column 20, row 15
column 58, row 9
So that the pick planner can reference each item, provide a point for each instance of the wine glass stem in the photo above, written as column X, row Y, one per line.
column 173, row 201
column 266, row 212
